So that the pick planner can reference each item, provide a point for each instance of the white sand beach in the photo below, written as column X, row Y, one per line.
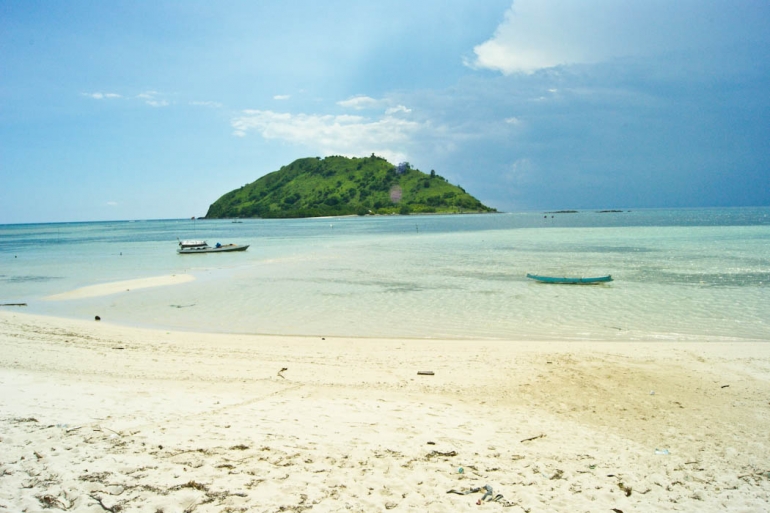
column 115, row 287
column 96, row 417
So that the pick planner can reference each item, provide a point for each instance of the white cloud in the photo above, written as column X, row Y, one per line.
column 281, row 97
column 366, row 102
column 513, row 120
column 332, row 135
column 399, row 108
column 102, row 96
column 361, row 102
column 112, row 203
column 525, row 41
column 151, row 99
column 537, row 34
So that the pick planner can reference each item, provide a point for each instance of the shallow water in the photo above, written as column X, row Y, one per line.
column 697, row 274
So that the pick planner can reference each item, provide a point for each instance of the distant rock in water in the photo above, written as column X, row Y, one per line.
column 334, row 186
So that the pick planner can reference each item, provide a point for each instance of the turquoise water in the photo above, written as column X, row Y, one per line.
column 700, row 274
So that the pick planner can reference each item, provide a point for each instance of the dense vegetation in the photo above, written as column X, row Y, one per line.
column 313, row 187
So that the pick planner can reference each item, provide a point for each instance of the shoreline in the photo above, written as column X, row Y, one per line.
column 174, row 421
column 531, row 338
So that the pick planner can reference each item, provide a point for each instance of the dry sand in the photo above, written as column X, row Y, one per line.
column 96, row 417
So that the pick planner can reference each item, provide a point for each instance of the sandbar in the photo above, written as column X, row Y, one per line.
column 115, row 287
column 98, row 417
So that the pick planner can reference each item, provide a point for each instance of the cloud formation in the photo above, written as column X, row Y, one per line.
column 361, row 103
column 348, row 135
column 102, row 96
column 538, row 34
column 152, row 99
column 398, row 108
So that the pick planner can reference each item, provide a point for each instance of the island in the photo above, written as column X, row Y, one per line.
column 336, row 185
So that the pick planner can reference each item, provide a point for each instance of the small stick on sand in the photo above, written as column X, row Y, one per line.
column 533, row 438
column 108, row 429
column 98, row 499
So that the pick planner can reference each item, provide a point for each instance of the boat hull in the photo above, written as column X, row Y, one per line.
column 570, row 281
column 209, row 249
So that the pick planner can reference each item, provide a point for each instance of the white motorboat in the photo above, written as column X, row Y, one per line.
column 189, row 247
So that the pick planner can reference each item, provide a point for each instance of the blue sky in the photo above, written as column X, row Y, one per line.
column 154, row 109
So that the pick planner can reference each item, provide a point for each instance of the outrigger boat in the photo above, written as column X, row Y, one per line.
column 570, row 281
column 187, row 247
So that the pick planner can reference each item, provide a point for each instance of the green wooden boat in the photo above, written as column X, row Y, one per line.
column 570, row 281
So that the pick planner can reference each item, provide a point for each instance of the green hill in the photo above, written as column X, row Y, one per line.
column 313, row 187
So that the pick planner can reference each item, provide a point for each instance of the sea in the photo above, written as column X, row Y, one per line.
column 678, row 275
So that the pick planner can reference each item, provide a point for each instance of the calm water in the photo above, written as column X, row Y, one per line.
column 679, row 275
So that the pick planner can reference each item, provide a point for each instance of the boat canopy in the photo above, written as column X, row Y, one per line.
column 192, row 243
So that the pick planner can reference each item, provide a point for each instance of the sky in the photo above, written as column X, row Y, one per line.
column 154, row 109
